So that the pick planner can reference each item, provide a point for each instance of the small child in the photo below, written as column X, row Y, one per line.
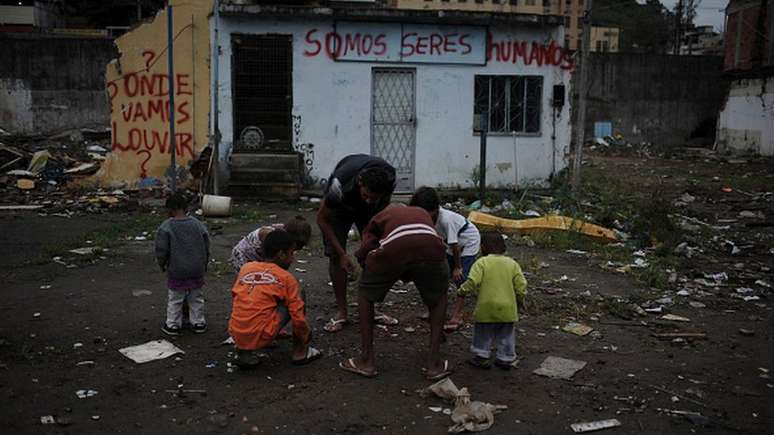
column 183, row 250
column 250, row 247
column 501, row 288
column 265, row 298
column 462, row 238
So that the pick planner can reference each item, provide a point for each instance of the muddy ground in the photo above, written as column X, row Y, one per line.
column 57, row 316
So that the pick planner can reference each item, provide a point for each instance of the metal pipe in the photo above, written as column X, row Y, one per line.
column 171, row 73
column 482, row 157
column 215, row 112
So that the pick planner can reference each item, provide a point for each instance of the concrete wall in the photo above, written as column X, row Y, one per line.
column 661, row 99
column 746, row 123
column 50, row 83
column 332, row 105
column 138, row 89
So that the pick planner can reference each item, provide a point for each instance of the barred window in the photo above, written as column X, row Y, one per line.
column 512, row 102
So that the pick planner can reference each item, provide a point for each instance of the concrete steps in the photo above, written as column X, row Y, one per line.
column 266, row 175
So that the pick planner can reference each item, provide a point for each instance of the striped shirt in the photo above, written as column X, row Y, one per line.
column 397, row 236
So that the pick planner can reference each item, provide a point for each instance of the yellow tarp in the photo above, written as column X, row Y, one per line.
column 543, row 223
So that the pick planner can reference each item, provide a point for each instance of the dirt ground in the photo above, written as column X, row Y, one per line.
column 55, row 318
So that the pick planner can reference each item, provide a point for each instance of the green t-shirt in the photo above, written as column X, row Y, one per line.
column 497, row 279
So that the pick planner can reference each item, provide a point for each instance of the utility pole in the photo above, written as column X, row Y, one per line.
column 580, row 121
column 171, row 72
column 678, row 26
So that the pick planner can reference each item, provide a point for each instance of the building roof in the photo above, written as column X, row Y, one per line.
column 387, row 15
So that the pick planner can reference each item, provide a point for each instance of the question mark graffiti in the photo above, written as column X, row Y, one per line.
column 148, row 55
column 143, row 171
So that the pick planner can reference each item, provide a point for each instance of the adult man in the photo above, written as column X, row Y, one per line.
column 401, row 243
column 359, row 187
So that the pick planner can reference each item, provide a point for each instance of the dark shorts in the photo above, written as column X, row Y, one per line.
column 341, row 225
column 430, row 277
column 467, row 262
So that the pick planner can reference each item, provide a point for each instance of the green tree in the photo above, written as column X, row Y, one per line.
column 646, row 28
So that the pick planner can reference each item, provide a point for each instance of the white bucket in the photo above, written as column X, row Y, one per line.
column 213, row 205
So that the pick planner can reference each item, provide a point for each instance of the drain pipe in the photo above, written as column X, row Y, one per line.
column 215, row 111
column 515, row 161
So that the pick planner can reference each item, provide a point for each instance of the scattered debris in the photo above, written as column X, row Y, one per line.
column 150, row 351
column 139, row 293
column 47, row 419
column 577, row 328
column 673, row 335
column 467, row 416
column 675, row 318
column 747, row 332
column 559, row 368
column 82, row 394
column 594, row 425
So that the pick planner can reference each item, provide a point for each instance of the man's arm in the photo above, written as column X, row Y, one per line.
column 324, row 222
column 371, row 236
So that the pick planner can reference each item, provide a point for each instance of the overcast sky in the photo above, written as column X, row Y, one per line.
column 710, row 12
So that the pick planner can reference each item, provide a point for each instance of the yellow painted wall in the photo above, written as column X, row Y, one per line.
column 138, row 88
column 609, row 34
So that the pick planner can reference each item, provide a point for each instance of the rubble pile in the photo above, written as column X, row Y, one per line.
column 47, row 173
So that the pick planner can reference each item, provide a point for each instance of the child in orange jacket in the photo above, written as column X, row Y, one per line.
column 265, row 298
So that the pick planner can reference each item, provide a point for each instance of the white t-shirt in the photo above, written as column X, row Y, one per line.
column 449, row 225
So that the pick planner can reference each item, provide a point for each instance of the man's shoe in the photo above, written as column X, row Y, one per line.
column 199, row 328
column 170, row 330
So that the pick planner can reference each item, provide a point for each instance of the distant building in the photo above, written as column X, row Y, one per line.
column 746, row 123
column 702, row 40
column 605, row 39
column 26, row 15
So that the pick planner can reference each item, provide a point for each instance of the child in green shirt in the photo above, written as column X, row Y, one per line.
column 500, row 284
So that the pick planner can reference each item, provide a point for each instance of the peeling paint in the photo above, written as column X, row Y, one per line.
column 138, row 89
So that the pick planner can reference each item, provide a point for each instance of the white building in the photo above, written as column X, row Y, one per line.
column 408, row 86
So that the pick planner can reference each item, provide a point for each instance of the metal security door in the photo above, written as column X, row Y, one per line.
column 393, row 122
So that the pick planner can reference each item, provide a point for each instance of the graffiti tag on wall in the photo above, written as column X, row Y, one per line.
column 434, row 44
column 142, row 126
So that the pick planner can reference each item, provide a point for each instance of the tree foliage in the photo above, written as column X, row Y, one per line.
column 644, row 28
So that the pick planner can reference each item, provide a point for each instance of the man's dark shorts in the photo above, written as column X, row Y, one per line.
column 341, row 225
column 430, row 277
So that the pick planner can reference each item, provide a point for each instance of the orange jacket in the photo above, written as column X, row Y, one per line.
column 258, row 289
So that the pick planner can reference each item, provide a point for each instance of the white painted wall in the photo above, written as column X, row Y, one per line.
column 746, row 123
column 333, row 101
column 16, row 114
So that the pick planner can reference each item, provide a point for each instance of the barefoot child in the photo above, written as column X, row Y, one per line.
column 462, row 239
column 265, row 298
column 183, row 250
column 500, row 285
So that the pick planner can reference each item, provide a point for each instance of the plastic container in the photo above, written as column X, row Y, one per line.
column 214, row 205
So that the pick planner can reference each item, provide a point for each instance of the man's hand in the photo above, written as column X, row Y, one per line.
column 457, row 275
column 346, row 263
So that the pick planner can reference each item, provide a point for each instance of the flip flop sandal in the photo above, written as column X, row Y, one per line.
column 440, row 375
column 311, row 355
column 384, row 319
column 452, row 326
column 334, row 325
column 350, row 366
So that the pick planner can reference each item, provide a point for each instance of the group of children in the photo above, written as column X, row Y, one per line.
column 423, row 242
